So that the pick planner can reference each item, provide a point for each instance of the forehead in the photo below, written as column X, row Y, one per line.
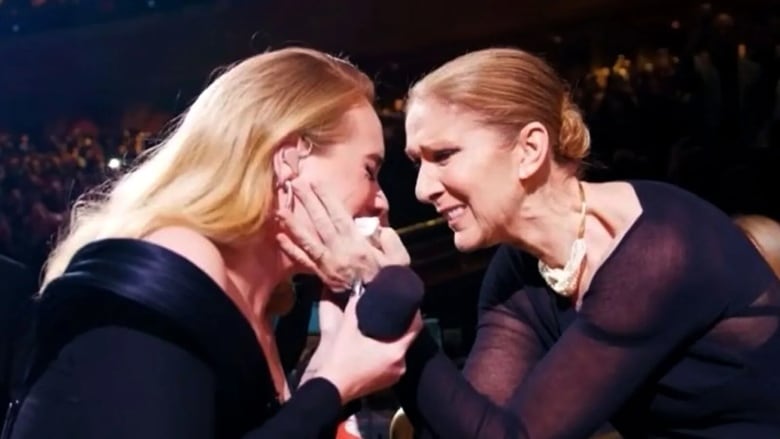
column 363, row 132
column 430, row 122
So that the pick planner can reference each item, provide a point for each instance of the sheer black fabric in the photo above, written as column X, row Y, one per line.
column 136, row 341
column 677, row 336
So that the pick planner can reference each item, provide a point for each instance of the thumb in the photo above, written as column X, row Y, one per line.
column 413, row 331
column 392, row 246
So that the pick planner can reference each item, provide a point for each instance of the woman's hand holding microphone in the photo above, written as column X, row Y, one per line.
column 344, row 258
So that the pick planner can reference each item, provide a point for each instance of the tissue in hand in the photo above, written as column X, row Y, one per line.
column 368, row 226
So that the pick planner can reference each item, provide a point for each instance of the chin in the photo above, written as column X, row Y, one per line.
column 468, row 241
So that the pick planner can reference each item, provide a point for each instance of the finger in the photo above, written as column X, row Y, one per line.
column 414, row 329
column 417, row 323
column 392, row 246
column 389, row 240
column 316, row 210
column 295, row 253
column 340, row 217
column 302, row 236
column 298, row 255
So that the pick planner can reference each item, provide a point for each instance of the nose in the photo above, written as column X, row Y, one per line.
column 378, row 207
column 382, row 208
column 428, row 187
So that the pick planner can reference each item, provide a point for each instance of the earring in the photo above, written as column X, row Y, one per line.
column 288, row 193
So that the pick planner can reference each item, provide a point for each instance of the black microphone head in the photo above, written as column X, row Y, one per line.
column 389, row 303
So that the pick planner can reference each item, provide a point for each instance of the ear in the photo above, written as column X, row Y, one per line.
column 533, row 145
column 287, row 157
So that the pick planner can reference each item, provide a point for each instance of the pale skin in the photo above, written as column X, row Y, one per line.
column 493, row 187
column 248, row 272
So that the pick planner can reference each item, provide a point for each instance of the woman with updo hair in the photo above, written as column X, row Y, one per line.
column 630, row 302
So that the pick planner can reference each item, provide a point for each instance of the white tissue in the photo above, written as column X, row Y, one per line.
column 368, row 226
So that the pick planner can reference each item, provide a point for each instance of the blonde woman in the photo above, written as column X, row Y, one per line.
column 154, row 314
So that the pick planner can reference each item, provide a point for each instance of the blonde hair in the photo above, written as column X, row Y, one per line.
column 509, row 88
column 214, row 172
column 764, row 233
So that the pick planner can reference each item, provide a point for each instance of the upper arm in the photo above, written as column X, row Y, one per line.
column 120, row 383
column 194, row 247
column 506, row 345
column 631, row 322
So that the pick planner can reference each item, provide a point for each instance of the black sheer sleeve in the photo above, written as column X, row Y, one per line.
column 121, row 383
column 506, row 347
column 504, row 330
column 630, row 322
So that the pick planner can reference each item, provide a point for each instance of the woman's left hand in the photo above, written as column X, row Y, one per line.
column 336, row 251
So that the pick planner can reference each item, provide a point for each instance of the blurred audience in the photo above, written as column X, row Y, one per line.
column 40, row 178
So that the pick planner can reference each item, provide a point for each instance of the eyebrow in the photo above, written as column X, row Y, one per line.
column 422, row 147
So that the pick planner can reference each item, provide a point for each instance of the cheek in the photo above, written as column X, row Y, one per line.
column 360, row 196
column 483, row 190
column 459, row 182
column 354, row 190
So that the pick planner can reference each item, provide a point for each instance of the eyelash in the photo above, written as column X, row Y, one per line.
column 441, row 156
column 371, row 173
column 438, row 157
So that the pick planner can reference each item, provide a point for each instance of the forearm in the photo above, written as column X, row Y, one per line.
column 316, row 361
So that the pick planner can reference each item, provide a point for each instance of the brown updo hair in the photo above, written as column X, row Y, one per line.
column 509, row 88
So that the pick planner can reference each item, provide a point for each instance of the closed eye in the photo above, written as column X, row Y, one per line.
column 372, row 173
column 441, row 156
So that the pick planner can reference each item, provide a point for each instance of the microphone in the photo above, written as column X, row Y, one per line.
column 389, row 303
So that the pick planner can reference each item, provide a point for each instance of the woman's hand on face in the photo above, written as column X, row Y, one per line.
column 335, row 250
column 358, row 365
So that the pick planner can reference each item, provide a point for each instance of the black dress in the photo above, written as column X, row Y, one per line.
column 677, row 336
column 17, row 288
column 135, row 341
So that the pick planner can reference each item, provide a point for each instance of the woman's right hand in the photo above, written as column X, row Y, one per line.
column 335, row 250
column 358, row 365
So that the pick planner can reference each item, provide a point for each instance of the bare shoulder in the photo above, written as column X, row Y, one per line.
column 616, row 202
column 194, row 247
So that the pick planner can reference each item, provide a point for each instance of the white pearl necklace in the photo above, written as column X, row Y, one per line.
column 563, row 280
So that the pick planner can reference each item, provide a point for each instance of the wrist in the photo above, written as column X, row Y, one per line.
column 335, row 376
